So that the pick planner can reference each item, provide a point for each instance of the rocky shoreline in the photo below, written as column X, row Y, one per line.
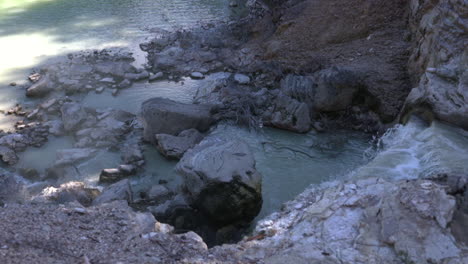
column 341, row 73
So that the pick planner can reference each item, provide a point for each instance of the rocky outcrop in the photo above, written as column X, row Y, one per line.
column 439, row 60
column 164, row 116
column 219, row 178
column 366, row 221
column 174, row 147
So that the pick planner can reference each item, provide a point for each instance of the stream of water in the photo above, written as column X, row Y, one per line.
column 33, row 32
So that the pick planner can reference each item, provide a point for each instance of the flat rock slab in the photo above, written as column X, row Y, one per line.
column 164, row 116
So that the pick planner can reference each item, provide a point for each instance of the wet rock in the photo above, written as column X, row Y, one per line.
column 70, row 192
column 241, row 78
column 118, row 191
column 31, row 174
column 164, row 116
column 100, row 89
column 111, row 175
column 40, row 88
column 117, row 69
column 137, row 76
column 72, row 115
column 108, row 80
column 11, row 189
column 17, row 142
column 116, row 174
column 108, row 129
column 156, row 76
column 8, row 155
column 55, row 127
column 124, row 84
column 132, row 153
column 73, row 156
column 174, row 147
column 220, row 179
column 158, row 194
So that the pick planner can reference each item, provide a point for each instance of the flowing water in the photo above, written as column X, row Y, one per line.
column 33, row 32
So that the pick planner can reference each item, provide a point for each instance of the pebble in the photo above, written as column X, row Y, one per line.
column 197, row 75
column 107, row 80
column 241, row 78
column 80, row 210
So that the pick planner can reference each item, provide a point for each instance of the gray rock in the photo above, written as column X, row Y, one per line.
column 335, row 89
column 116, row 174
column 241, row 78
column 164, row 116
column 132, row 153
column 8, row 155
column 55, row 127
column 118, row 191
column 364, row 221
column 100, row 90
column 156, row 76
column 40, row 88
column 73, row 156
column 72, row 115
column 290, row 114
column 124, row 84
column 174, row 147
column 219, row 178
column 158, row 194
column 108, row 80
column 111, row 175
column 137, row 76
column 197, row 75
column 69, row 192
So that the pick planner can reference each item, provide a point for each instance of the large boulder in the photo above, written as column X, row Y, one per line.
column 439, row 61
column 220, row 179
column 164, row 116
column 174, row 147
